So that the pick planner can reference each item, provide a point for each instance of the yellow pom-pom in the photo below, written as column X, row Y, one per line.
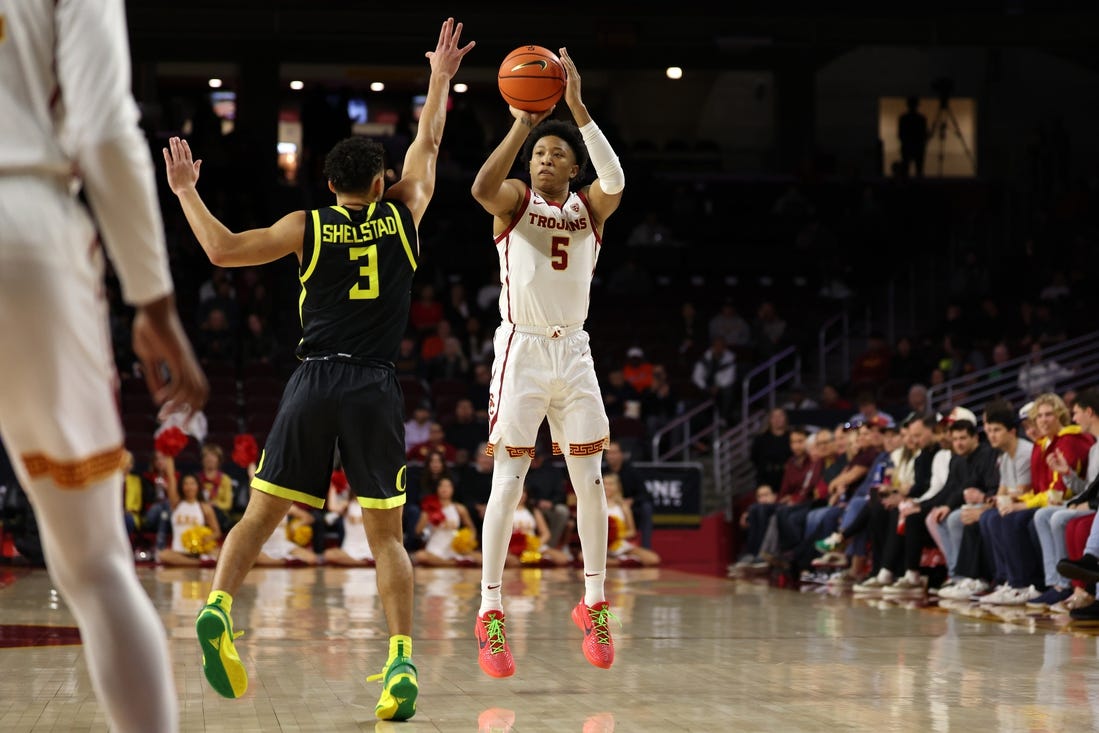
column 464, row 542
column 302, row 535
column 534, row 543
column 620, row 525
column 530, row 557
column 199, row 540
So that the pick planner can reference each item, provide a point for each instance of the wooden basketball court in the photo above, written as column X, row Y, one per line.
column 694, row 653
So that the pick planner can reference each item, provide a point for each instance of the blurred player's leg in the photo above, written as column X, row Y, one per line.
column 60, row 424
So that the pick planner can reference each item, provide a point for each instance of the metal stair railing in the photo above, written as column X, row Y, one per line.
column 776, row 379
column 684, row 426
column 733, row 469
column 841, row 342
column 1080, row 356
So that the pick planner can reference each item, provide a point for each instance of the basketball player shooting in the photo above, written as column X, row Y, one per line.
column 548, row 239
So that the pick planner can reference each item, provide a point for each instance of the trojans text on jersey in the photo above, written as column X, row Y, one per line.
column 550, row 222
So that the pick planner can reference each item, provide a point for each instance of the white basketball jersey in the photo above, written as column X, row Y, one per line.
column 278, row 546
column 524, row 521
column 547, row 258
column 187, row 514
column 42, row 55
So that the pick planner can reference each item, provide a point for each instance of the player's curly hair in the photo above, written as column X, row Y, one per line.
column 352, row 164
column 567, row 131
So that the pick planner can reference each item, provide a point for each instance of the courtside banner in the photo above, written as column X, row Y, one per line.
column 676, row 491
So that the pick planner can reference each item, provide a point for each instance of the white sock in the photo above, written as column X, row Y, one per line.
column 90, row 559
column 585, row 472
column 491, row 598
column 507, row 488
column 593, row 586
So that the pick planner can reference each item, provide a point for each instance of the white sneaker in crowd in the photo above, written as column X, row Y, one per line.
column 999, row 596
column 963, row 589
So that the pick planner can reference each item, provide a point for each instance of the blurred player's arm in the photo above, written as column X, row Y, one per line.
column 111, row 155
column 112, row 159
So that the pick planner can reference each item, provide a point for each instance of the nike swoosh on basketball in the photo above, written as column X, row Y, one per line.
column 540, row 63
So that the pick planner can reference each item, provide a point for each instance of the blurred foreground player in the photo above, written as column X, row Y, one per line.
column 68, row 118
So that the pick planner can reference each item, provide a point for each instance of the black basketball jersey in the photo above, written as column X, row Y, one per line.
column 356, row 280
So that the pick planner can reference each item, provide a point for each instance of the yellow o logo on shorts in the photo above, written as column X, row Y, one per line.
column 402, row 479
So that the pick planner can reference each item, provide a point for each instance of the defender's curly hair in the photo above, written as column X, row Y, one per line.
column 352, row 164
column 565, row 130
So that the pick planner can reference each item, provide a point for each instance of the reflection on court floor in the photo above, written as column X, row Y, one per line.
column 694, row 653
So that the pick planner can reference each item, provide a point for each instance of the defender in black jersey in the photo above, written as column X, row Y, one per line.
column 356, row 262
column 356, row 279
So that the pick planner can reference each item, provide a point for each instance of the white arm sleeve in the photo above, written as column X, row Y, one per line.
column 612, row 179
column 101, row 133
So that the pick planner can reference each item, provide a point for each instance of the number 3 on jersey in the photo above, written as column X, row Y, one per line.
column 367, row 287
column 560, row 253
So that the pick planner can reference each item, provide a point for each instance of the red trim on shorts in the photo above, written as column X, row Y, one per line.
column 503, row 373
column 587, row 449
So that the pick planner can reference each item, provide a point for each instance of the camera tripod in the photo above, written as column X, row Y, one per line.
column 942, row 118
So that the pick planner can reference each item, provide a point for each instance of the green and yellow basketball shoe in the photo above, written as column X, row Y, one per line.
column 223, row 668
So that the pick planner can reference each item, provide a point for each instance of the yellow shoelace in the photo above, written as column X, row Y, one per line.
column 385, row 670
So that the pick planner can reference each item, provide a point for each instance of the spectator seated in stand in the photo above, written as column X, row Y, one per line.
column 637, row 371
column 436, row 443
column 447, row 530
column 530, row 538
column 622, row 543
column 290, row 543
column 217, row 486
column 195, row 531
column 464, row 430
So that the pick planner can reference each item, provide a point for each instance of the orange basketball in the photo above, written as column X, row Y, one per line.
column 531, row 78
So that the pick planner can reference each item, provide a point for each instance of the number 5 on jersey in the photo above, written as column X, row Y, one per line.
column 559, row 251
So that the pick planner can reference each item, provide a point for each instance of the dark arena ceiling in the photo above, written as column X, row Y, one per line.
column 608, row 36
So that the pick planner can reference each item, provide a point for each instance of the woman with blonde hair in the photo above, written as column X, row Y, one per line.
column 622, row 545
